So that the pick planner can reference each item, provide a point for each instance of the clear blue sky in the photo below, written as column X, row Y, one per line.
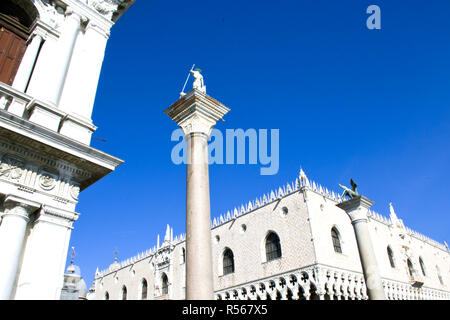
column 349, row 102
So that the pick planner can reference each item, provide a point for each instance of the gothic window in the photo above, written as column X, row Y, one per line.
column 106, row 295
column 336, row 240
column 411, row 269
column 228, row 261
column 273, row 247
column 124, row 293
column 422, row 266
column 439, row 275
column 144, row 289
column 391, row 257
column 165, row 284
column 183, row 255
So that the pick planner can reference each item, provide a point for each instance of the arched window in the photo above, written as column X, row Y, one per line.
column 391, row 256
column 411, row 269
column 183, row 255
column 273, row 247
column 439, row 275
column 336, row 240
column 124, row 293
column 165, row 284
column 106, row 295
column 144, row 289
column 228, row 261
column 422, row 266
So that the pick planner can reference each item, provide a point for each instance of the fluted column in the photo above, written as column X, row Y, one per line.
column 12, row 235
column 66, row 44
column 27, row 63
column 357, row 209
column 196, row 113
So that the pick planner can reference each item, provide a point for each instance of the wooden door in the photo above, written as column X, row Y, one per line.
column 12, row 48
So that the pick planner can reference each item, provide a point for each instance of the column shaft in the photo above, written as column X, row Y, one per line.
column 12, row 235
column 369, row 264
column 199, row 275
column 66, row 44
column 26, row 66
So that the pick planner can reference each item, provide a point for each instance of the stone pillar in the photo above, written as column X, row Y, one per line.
column 12, row 236
column 196, row 113
column 26, row 66
column 357, row 209
column 42, row 270
column 66, row 44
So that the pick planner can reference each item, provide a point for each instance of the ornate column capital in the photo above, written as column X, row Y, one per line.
column 196, row 112
column 92, row 26
column 356, row 208
column 72, row 13
column 20, row 207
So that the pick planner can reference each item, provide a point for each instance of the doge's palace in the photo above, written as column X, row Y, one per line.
column 51, row 53
column 292, row 243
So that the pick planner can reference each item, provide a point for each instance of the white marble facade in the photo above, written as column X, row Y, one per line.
column 302, row 214
column 45, row 132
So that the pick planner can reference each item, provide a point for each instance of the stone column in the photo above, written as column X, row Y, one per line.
column 12, row 236
column 357, row 209
column 196, row 113
column 66, row 44
column 26, row 66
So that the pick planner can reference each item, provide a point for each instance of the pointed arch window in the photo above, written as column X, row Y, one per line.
column 439, row 275
column 106, row 295
column 391, row 257
column 422, row 266
column 411, row 270
column 144, row 289
column 165, row 284
column 228, row 261
column 336, row 240
column 183, row 255
column 124, row 293
column 273, row 247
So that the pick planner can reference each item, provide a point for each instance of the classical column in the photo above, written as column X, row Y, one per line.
column 357, row 208
column 92, row 60
column 27, row 63
column 196, row 113
column 66, row 44
column 12, row 235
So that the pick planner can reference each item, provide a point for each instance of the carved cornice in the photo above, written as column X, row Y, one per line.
column 67, row 215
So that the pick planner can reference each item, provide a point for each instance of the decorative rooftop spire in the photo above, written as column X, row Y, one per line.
column 167, row 236
column 393, row 214
column 71, row 268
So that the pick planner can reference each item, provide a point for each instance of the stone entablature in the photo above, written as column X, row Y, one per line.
column 39, row 177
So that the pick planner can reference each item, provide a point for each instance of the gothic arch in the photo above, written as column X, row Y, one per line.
column 336, row 238
column 270, row 233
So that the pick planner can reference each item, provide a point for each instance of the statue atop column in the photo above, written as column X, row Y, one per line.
column 198, row 80
column 352, row 193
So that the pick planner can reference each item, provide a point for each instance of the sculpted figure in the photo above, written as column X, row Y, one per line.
column 198, row 80
column 351, row 193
